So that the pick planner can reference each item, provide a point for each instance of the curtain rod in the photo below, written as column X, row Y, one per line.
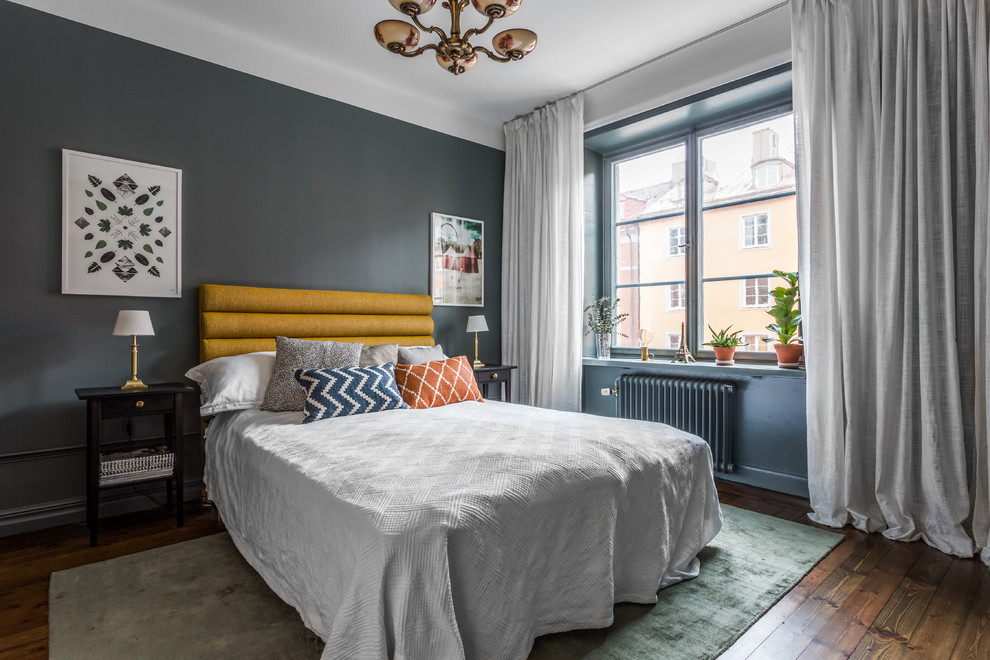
column 688, row 45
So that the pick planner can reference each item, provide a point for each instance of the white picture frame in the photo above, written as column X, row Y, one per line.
column 121, row 227
column 457, row 266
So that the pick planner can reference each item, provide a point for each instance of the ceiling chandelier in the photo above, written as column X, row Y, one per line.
column 454, row 53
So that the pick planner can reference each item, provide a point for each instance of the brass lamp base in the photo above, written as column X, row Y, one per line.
column 134, row 383
column 477, row 364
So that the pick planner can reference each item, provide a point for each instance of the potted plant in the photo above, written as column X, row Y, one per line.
column 602, row 320
column 724, row 344
column 786, row 312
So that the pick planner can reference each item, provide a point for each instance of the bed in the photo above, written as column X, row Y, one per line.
column 461, row 531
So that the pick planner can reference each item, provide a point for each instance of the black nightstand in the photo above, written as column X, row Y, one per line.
column 495, row 374
column 104, row 470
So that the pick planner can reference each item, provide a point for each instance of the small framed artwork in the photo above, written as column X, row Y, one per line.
column 121, row 227
column 457, row 257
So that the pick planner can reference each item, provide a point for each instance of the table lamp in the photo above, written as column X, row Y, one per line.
column 476, row 324
column 133, row 322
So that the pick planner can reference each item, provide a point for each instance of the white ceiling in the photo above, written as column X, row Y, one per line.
column 327, row 47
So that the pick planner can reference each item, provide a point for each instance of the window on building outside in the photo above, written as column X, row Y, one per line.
column 766, row 176
column 676, row 297
column 713, row 190
column 756, row 292
column 673, row 340
column 755, row 230
column 754, row 342
column 676, row 241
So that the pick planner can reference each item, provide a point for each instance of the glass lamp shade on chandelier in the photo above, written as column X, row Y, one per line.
column 454, row 53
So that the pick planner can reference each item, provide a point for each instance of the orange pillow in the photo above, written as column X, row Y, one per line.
column 434, row 384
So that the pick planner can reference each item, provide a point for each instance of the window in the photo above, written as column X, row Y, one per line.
column 713, row 189
column 676, row 241
column 766, row 176
column 676, row 296
column 754, row 342
column 755, row 229
column 756, row 292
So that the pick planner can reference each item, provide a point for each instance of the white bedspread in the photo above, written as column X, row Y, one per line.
column 463, row 531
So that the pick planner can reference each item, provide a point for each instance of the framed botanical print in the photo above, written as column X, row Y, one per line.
column 121, row 227
column 457, row 272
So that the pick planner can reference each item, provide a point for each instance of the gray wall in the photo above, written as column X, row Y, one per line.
column 280, row 188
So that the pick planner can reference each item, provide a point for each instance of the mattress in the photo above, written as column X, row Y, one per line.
column 463, row 531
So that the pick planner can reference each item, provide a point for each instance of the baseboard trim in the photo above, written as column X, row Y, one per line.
column 781, row 482
column 70, row 511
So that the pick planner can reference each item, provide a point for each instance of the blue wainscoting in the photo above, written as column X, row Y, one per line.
column 771, row 423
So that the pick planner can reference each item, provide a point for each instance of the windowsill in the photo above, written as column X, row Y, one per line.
column 696, row 368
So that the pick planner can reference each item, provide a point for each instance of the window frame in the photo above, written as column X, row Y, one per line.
column 682, row 240
column 742, row 231
column 683, row 296
column 744, row 284
column 693, row 211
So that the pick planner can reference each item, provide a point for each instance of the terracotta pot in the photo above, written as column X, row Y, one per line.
column 723, row 355
column 788, row 356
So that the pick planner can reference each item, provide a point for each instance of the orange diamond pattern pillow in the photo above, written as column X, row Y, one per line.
column 439, row 383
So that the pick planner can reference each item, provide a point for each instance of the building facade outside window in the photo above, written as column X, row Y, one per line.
column 724, row 198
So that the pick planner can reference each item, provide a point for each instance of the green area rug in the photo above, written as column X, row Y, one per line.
column 200, row 599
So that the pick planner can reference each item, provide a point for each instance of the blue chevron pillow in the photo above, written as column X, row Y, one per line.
column 348, row 391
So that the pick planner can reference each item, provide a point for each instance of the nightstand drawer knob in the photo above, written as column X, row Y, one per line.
column 139, row 404
column 494, row 376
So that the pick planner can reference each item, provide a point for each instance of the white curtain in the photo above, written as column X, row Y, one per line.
column 543, row 253
column 893, row 123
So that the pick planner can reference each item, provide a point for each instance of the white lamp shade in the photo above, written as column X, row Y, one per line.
column 477, row 324
column 133, row 322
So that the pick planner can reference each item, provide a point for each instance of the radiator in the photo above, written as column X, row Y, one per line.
column 705, row 408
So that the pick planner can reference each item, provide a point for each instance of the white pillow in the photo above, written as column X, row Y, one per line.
column 420, row 354
column 237, row 382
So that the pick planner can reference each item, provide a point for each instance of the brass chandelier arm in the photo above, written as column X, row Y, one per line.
column 424, row 28
column 418, row 51
column 495, row 56
column 473, row 31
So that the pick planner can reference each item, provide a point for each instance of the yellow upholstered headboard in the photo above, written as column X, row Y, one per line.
column 242, row 319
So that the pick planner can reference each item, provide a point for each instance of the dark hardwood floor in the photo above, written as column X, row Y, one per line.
column 869, row 598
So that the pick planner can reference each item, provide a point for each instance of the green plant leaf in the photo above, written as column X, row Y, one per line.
column 159, row 260
column 88, row 255
column 89, row 193
column 144, row 229
column 125, row 211
column 154, row 190
column 101, row 244
column 100, row 205
column 93, row 267
column 93, row 181
column 154, row 271
column 149, row 210
column 147, row 248
column 124, row 244
column 104, row 225
column 159, row 202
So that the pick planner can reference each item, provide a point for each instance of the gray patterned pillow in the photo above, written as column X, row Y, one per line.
column 372, row 356
column 420, row 354
column 283, row 392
